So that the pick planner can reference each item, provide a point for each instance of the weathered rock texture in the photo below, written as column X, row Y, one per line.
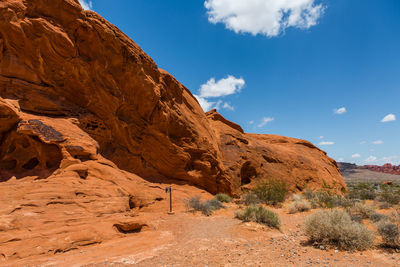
column 386, row 168
column 249, row 158
column 91, row 128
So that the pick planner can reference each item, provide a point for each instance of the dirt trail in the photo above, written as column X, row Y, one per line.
column 187, row 239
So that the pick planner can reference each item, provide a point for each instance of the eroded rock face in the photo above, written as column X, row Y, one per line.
column 91, row 131
column 251, row 158
column 61, row 61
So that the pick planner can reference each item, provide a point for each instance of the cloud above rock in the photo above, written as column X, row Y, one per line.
column 265, row 17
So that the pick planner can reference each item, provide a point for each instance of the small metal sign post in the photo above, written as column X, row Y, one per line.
column 169, row 190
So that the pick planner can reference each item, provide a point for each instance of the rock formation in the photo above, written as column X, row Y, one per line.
column 91, row 128
column 386, row 168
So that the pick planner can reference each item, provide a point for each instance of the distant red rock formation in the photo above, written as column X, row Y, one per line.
column 386, row 168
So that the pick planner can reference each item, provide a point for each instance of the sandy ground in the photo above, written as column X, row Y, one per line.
column 187, row 239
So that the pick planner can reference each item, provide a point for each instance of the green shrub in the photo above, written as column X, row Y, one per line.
column 271, row 192
column 259, row 214
column 389, row 233
column 206, row 207
column 335, row 227
column 223, row 198
column 250, row 199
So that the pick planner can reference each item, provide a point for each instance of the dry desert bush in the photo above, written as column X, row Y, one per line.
column 259, row 214
column 299, row 205
column 335, row 227
column 207, row 207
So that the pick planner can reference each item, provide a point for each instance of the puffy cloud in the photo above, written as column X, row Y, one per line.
column 251, row 122
column 326, row 143
column 388, row 118
column 227, row 86
column 321, row 137
column 87, row 5
column 266, row 17
column 377, row 142
column 356, row 156
column 339, row 111
column 214, row 89
column 265, row 121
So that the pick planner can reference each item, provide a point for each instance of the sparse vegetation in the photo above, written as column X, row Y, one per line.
column 390, row 234
column 259, row 214
column 206, row 207
column 299, row 205
column 377, row 217
column 335, row 227
column 250, row 199
column 223, row 198
column 271, row 192
column 363, row 210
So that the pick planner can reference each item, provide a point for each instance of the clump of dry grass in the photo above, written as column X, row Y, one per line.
column 390, row 234
column 335, row 227
column 259, row 214
column 299, row 205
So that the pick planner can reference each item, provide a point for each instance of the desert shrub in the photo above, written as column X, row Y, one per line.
column 362, row 191
column 377, row 217
column 206, row 207
column 271, row 192
column 299, row 205
column 365, row 211
column 389, row 195
column 193, row 203
column 384, row 205
column 335, row 227
column 389, row 233
column 344, row 202
column 250, row 199
column 259, row 214
column 223, row 198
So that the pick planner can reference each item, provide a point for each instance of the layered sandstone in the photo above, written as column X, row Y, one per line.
column 91, row 131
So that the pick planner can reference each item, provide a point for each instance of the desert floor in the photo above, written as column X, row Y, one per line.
column 192, row 239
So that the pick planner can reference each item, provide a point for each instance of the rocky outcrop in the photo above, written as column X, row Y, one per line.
column 386, row 168
column 251, row 158
column 62, row 62
column 91, row 130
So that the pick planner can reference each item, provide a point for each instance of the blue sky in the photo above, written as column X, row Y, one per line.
column 327, row 71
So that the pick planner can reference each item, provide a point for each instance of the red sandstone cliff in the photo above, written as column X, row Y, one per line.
column 91, row 130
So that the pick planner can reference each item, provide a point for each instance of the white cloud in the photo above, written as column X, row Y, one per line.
column 377, row 142
column 321, row 137
column 266, row 17
column 213, row 89
column 251, row 122
column 265, row 121
column 339, row 111
column 228, row 106
column 389, row 117
column 341, row 159
column 356, row 156
column 326, row 143
column 363, row 142
column 227, row 86
column 87, row 5
column 371, row 159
